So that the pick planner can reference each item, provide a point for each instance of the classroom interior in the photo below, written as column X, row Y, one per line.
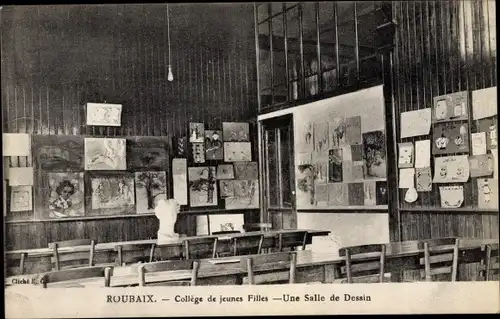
column 250, row 143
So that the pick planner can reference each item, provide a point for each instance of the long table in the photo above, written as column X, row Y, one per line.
column 311, row 266
column 39, row 259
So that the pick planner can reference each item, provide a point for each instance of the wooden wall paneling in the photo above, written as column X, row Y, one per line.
column 442, row 47
column 125, row 61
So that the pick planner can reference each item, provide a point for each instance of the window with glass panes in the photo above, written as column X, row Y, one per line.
column 306, row 49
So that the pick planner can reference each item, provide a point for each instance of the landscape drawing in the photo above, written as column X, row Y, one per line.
column 246, row 195
column 147, row 153
column 58, row 153
column 149, row 188
column 202, row 186
column 112, row 192
column 374, row 155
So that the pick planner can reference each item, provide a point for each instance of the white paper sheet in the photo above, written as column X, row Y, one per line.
column 21, row 198
column 226, row 222
column 451, row 196
column 19, row 176
column 407, row 178
column 16, row 144
column 478, row 141
column 487, row 193
column 179, row 178
column 104, row 114
column 415, row 123
column 405, row 155
column 450, row 169
column 484, row 103
column 423, row 154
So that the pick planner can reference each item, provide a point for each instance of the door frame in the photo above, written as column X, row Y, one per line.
column 263, row 167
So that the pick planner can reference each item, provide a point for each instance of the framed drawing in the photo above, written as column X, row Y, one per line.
column 104, row 114
column 147, row 153
column 66, row 197
column 198, row 152
column 105, row 154
column 58, row 153
column 450, row 138
column 237, row 152
column 149, row 188
column 213, row 145
column 21, row 198
column 225, row 171
column 246, row 195
column 202, row 186
column 196, row 132
column 246, row 170
column 374, row 155
column 110, row 194
column 451, row 107
column 235, row 132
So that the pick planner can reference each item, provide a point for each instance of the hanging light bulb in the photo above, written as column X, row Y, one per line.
column 170, row 76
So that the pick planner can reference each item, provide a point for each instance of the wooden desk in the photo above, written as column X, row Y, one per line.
column 39, row 259
column 311, row 267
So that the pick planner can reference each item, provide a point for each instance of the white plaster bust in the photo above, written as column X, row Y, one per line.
column 166, row 211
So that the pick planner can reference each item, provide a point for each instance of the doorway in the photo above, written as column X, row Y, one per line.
column 277, row 156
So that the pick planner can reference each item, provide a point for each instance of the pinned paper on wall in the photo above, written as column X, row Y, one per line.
column 321, row 192
column 198, row 152
column 416, row 123
column 450, row 137
column 16, row 144
column 104, row 114
column 105, row 154
column 487, row 193
column 422, row 154
column 356, row 194
column 406, row 154
column 303, row 159
column 179, row 177
column 226, row 188
column 225, row 171
column 196, row 132
column 451, row 196
column 489, row 126
column 237, row 152
column 321, row 137
column 481, row 165
column 19, row 176
column 451, row 107
column 484, row 103
column 21, row 198
column 338, row 194
column 407, row 178
column 370, row 193
column 423, row 177
column 335, row 165
column 494, row 153
column 449, row 169
column 478, row 143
